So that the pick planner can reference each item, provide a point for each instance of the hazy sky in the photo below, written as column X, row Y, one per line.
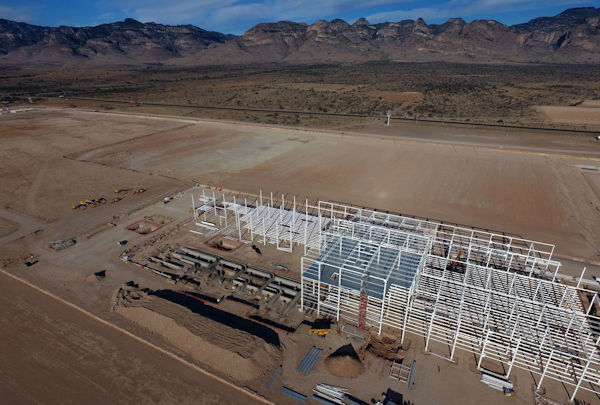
column 236, row 16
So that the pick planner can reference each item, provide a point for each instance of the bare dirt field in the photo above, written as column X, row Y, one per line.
column 7, row 226
column 489, row 179
column 536, row 195
column 54, row 354
column 588, row 114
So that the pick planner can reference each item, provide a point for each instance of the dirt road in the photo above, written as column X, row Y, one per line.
column 26, row 226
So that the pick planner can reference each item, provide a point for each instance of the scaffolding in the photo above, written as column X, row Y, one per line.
column 487, row 293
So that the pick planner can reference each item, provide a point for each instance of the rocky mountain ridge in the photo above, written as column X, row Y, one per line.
column 572, row 36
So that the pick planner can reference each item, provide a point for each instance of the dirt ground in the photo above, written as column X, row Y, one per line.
column 487, row 179
column 587, row 113
column 7, row 226
column 536, row 195
column 54, row 354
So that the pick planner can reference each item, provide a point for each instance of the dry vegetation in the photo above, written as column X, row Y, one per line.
column 463, row 92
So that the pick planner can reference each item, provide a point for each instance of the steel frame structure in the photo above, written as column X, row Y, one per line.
column 265, row 219
column 490, row 294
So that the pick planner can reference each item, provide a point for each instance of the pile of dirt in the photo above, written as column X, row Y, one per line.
column 224, row 349
column 97, row 276
column 386, row 347
column 344, row 362
column 224, row 243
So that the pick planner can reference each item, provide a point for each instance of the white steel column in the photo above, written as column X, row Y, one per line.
column 585, row 369
column 319, row 291
column 485, row 341
column 460, row 307
column 545, row 369
column 305, row 226
column 382, row 306
column 513, row 358
column 194, row 207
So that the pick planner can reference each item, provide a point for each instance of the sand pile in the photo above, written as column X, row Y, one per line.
column 98, row 276
column 344, row 362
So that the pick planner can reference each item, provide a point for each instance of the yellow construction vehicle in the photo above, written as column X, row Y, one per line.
column 117, row 199
column 321, row 327
column 320, row 332
column 139, row 190
column 121, row 190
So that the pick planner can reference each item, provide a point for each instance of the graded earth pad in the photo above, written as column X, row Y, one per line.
column 539, row 197
column 531, row 193
column 582, row 114
column 39, row 178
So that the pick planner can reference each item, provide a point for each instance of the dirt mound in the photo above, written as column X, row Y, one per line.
column 344, row 362
column 98, row 276
column 386, row 347
column 225, row 349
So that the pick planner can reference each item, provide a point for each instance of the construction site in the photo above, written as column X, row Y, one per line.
column 493, row 295
column 341, row 284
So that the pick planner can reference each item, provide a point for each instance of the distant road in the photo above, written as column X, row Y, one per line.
column 538, row 141
column 321, row 113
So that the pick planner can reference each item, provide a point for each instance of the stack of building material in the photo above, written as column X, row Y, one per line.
column 497, row 383
column 275, row 374
column 329, row 394
column 309, row 361
column 293, row 394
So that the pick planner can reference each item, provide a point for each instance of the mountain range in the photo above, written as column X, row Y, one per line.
column 572, row 36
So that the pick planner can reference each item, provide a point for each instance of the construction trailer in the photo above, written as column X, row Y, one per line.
column 490, row 294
